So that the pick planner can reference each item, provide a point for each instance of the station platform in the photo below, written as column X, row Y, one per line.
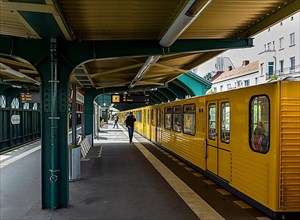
column 120, row 180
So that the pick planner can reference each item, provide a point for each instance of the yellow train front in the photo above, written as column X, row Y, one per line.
column 247, row 140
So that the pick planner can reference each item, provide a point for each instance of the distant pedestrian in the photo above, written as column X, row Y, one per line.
column 130, row 119
column 116, row 119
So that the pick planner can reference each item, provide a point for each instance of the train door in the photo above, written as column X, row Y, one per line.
column 153, row 125
column 158, row 126
column 218, row 138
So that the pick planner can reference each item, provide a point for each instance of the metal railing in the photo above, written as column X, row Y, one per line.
column 286, row 72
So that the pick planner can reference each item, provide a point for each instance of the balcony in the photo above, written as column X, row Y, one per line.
column 287, row 72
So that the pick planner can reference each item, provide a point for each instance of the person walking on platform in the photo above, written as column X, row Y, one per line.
column 130, row 119
column 116, row 119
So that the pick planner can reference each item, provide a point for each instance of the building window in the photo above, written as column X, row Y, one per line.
column 256, row 80
column 281, row 43
column 259, row 123
column 273, row 45
column 2, row 101
column 215, row 89
column 262, row 69
column 168, row 118
column 177, row 118
column 269, row 46
column 239, row 83
column 15, row 103
column 221, row 88
column 246, row 82
column 189, row 119
column 228, row 86
column 293, row 63
column 225, row 122
column 265, row 47
column 281, row 63
column 292, row 39
column 271, row 68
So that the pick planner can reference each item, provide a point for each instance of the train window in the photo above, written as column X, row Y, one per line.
column 260, row 123
column 148, row 116
column 152, row 117
column 212, row 122
column 168, row 118
column 177, row 118
column 139, row 116
column 225, row 122
column 189, row 119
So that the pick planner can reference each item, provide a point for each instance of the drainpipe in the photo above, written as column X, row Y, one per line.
column 53, row 119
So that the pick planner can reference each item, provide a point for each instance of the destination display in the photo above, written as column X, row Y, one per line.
column 118, row 98
column 32, row 97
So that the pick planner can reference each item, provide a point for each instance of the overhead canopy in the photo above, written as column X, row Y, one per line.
column 129, row 43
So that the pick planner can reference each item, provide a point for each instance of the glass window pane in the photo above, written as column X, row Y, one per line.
column 168, row 118
column 260, row 124
column 212, row 121
column 189, row 119
column 177, row 118
column 225, row 122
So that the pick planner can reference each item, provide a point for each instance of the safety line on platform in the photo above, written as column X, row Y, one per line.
column 18, row 157
column 201, row 209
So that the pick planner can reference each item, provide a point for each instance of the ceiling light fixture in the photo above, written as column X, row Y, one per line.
column 149, row 62
column 190, row 12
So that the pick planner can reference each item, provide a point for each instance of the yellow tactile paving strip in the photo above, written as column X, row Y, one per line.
column 193, row 200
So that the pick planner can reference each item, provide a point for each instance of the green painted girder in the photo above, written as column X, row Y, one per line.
column 156, row 97
column 180, row 92
column 170, row 95
column 161, row 96
column 3, row 87
column 183, row 86
column 197, row 84
column 76, row 53
column 153, row 99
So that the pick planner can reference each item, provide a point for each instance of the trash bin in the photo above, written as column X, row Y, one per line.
column 74, row 162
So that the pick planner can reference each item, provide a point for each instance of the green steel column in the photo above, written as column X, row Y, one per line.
column 54, row 73
column 53, row 119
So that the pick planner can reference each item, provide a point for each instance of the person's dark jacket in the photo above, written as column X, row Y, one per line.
column 130, row 121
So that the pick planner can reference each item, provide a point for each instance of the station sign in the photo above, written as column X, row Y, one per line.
column 30, row 97
column 79, row 96
column 118, row 98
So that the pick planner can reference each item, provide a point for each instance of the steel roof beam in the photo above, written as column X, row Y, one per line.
column 76, row 53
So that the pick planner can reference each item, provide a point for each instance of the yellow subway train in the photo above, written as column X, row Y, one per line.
column 247, row 140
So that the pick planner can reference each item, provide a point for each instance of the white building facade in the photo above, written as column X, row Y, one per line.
column 279, row 57
column 280, row 53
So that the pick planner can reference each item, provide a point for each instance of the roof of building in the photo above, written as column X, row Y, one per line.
column 237, row 72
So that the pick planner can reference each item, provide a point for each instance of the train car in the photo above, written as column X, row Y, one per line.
column 247, row 140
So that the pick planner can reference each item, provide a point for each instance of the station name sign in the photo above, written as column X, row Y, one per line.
column 118, row 98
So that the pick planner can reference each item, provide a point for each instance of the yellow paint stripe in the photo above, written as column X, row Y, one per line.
column 17, row 147
column 18, row 157
column 242, row 204
column 223, row 192
column 192, row 199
